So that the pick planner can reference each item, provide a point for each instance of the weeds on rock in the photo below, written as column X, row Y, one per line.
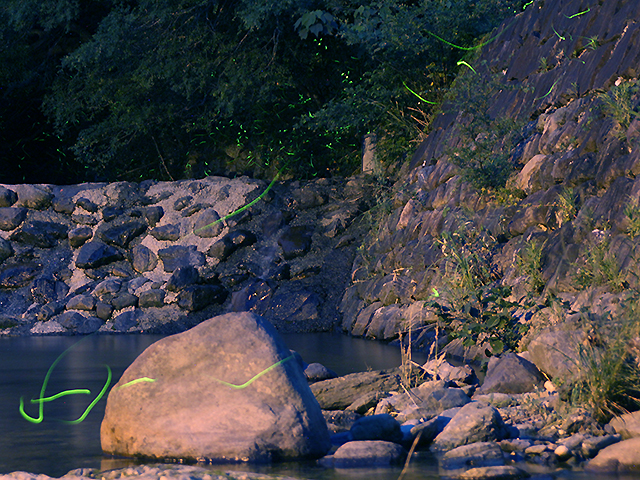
column 479, row 311
column 599, row 265
column 632, row 213
column 608, row 367
column 529, row 263
column 618, row 103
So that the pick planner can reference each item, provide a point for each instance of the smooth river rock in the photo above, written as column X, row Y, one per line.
column 226, row 390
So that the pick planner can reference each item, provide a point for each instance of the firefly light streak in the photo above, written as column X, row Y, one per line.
column 254, row 378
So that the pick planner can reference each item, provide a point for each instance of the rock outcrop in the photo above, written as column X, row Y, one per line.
column 160, row 257
column 226, row 390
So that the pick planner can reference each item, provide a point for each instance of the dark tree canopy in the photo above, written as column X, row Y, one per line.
column 130, row 90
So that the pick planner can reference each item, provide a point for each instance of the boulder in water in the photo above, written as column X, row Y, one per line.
column 226, row 390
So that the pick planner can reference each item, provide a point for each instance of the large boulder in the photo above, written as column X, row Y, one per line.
column 226, row 390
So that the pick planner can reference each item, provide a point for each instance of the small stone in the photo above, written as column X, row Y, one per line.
column 6, row 250
column 144, row 260
column 126, row 320
column 121, row 235
column 96, row 254
column 35, row 197
column 39, row 234
column 182, row 277
column 480, row 454
column 107, row 288
column 377, row 427
column 87, row 204
column 197, row 297
column 7, row 197
column 182, row 202
column 49, row 311
column 110, row 213
column 295, row 241
column 208, row 224
column 153, row 215
column 79, row 236
column 103, row 310
column 368, row 453
column 178, row 256
column 536, row 450
column 81, row 302
column 562, row 452
column 506, row 472
column 151, row 298
column 124, row 300
column 11, row 218
column 17, row 276
column 169, row 233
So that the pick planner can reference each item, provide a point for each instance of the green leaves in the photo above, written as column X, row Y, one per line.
column 315, row 22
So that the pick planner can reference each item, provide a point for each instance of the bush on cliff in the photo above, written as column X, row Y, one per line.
column 144, row 90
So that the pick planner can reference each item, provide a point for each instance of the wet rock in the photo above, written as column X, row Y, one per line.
column 169, row 233
column 510, row 373
column 182, row 277
column 16, row 276
column 7, row 197
column 506, row 472
column 339, row 393
column 151, row 298
column 316, row 372
column 144, row 260
column 196, row 297
column 178, row 256
column 295, row 241
column 11, row 217
column 77, row 322
column 79, row 236
column 6, row 250
column 372, row 453
column 40, row 234
column 208, row 224
column 121, row 235
column 182, row 202
column 96, row 254
column 479, row 454
column 126, row 320
column 377, row 427
column 190, row 395
column 474, row 422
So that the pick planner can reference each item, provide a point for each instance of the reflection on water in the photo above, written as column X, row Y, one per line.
column 54, row 447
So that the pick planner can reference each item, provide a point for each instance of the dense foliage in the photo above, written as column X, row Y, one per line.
column 144, row 89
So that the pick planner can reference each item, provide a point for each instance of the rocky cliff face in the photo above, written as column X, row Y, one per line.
column 158, row 257
column 563, row 235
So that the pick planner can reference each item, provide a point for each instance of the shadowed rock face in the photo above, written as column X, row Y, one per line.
column 226, row 390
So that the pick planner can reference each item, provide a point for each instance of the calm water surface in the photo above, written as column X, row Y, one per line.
column 54, row 446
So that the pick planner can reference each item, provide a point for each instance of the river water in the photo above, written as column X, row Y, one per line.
column 54, row 446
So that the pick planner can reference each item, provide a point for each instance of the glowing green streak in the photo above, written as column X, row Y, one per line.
column 250, row 381
column 527, row 4
column 42, row 390
column 554, row 84
column 559, row 36
column 137, row 380
column 241, row 209
column 581, row 13
column 62, row 394
column 425, row 101
column 462, row 62
column 95, row 400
